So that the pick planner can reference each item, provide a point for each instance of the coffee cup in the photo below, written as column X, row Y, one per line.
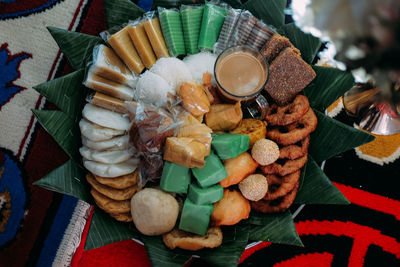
column 241, row 73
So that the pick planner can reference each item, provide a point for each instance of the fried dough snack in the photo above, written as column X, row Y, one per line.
column 112, row 193
column 184, row 240
column 277, row 205
column 194, row 98
column 293, row 133
column 288, row 114
column 238, row 168
column 231, row 209
column 295, row 151
column 122, row 217
column 109, row 205
column 185, row 151
column 281, row 185
column 224, row 117
column 120, row 182
column 285, row 167
column 254, row 128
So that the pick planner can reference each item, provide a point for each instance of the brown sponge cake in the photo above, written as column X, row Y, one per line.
column 288, row 75
column 275, row 45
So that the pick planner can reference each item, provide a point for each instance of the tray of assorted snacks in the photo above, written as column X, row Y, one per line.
column 195, row 128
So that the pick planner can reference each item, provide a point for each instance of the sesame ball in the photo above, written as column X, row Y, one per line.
column 254, row 187
column 265, row 152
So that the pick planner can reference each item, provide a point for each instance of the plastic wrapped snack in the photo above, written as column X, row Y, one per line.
column 243, row 29
column 142, row 44
column 106, row 64
column 123, row 46
column 173, row 70
column 213, row 18
column 108, row 87
column 185, row 151
column 194, row 98
column 107, row 102
column 171, row 26
column 152, row 27
column 191, row 22
column 227, row 30
column 260, row 34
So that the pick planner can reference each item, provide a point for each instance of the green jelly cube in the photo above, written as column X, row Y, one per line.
column 171, row 26
column 212, row 172
column 195, row 218
column 230, row 146
column 175, row 178
column 208, row 195
column 211, row 24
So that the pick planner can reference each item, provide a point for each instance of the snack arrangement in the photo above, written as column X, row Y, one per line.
column 165, row 150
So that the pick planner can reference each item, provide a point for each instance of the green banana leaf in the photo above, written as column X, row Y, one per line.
column 270, row 11
column 105, row 230
column 77, row 47
column 178, row 3
column 67, row 179
column 275, row 228
column 63, row 129
column 119, row 12
column 305, row 42
column 328, row 86
column 66, row 92
column 317, row 188
column 333, row 137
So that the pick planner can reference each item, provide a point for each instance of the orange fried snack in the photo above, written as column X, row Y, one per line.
column 185, row 151
column 231, row 209
column 224, row 117
column 238, row 168
column 194, row 98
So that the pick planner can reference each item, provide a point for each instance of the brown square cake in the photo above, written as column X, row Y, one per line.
column 288, row 75
column 275, row 45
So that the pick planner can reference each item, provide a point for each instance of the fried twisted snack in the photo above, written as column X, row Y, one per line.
column 288, row 114
column 284, row 167
column 281, row 185
column 277, row 205
column 188, row 241
column 292, row 133
column 295, row 151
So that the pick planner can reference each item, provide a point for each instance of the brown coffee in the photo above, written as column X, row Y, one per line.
column 240, row 74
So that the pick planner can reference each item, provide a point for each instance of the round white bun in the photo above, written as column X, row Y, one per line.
column 173, row 70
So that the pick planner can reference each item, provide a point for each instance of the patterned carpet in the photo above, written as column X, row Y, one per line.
column 42, row 228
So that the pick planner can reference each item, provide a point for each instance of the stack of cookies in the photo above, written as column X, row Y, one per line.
column 290, row 127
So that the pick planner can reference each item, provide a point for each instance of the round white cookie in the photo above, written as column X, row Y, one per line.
column 111, row 170
column 105, row 118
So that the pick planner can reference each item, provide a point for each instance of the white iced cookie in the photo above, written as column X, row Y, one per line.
column 105, row 118
column 111, row 170
column 96, row 132
column 107, row 156
column 265, row 152
column 116, row 143
column 154, row 212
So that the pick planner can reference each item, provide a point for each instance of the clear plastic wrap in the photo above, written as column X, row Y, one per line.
column 191, row 16
column 213, row 18
column 106, row 64
column 227, row 30
column 171, row 26
column 260, row 34
column 152, row 26
column 243, row 29
column 105, row 86
column 150, row 127
column 194, row 98
column 122, row 45
column 107, row 102
column 141, row 42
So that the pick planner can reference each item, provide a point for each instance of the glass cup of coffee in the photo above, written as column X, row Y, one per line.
column 241, row 73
